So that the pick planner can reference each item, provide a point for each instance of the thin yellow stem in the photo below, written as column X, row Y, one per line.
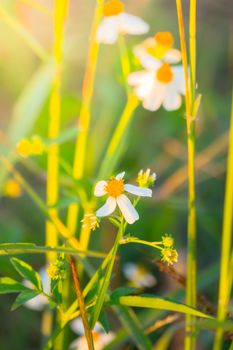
column 108, row 161
column 60, row 12
column 192, row 48
column 225, row 266
column 84, row 117
column 190, row 124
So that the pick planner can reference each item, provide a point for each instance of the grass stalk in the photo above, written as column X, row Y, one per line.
column 225, row 282
column 85, row 115
column 81, row 304
column 60, row 12
column 191, row 293
column 114, row 146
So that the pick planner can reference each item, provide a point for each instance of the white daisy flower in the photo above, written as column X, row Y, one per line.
column 115, row 189
column 160, row 83
column 157, row 48
column 116, row 22
column 100, row 338
column 138, row 275
column 40, row 301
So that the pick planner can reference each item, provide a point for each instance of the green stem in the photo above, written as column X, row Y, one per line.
column 225, row 272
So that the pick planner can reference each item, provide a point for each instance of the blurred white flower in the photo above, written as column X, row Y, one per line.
column 116, row 22
column 40, row 301
column 138, row 275
column 115, row 189
column 160, row 83
column 100, row 338
column 157, row 48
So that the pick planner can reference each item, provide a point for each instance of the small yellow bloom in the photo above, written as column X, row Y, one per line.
column 53, row 272
column 58, row 269
column 145, row 178
column 37, row 146
column 12, row 188
column 167, row 241
column 23, row 148
column 169, row 255
column 26, row 148
column 90, row 221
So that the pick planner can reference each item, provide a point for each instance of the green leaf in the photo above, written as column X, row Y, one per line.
column 8, row 285
column 27, row 272
column 161, row 304
column 119, row 292
column 23, row 297
column 131, row 323
column 64, row 136
column 30, row 103
column 104, row 322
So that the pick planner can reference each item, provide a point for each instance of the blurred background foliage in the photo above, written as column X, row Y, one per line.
column 155, row 140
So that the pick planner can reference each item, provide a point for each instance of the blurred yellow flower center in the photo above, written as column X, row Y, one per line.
column 12, row 188
column 113, row 8
column 23, row 148
column 164, row 73
column 164, row 39
column 115, row 187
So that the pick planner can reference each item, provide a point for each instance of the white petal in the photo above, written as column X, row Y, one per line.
column 172, row 100
column 138, row 191
column 155, row 98
column 129, row 212
column 179, row 80
column 79, row 344
column 120, row 176
column 172, row 56
column 108, row 208
column 99, row 190
column 130, row 24
column 108, row 30
column 77, row 326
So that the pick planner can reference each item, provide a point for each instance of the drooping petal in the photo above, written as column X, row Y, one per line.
column 107, row 32
column 172, row 99
column 108, row 208
column 138, row 191
column 99, row 190
column 155, row 98
column 172, row 56
column 129, row 212
column 120, row 175
column 129, row 24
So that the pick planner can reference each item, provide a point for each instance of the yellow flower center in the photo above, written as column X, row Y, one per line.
column 12, row 188
column 164, row 73
column 23, row 148
column 164, row 39
column 113, row 8
column 115, row 187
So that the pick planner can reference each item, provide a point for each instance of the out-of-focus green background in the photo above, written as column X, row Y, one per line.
column 156, row 140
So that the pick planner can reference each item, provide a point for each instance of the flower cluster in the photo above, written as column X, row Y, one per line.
column 115, row 189
column 168, row 253
column 29, row 147
column 57, row 269
column 145, row 178
column 162, row 81
column 90, row 221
